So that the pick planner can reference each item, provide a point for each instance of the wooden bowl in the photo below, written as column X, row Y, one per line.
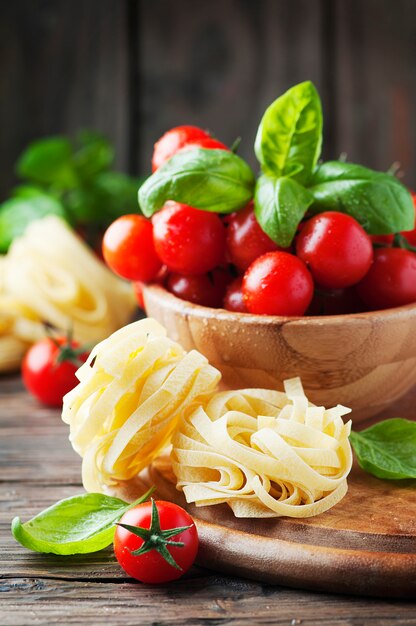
column 365, row 361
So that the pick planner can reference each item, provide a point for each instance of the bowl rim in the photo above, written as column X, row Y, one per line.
column 197, row 310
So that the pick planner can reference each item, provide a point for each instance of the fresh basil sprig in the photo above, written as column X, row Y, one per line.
column 280, row 204
column 76, row 525
column 16, row 213
column 72, row 179
column 289, row 138
column 387, row 449
column 378, row 201
column 212, row 180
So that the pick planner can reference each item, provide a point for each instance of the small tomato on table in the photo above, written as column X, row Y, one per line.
column 156, row 542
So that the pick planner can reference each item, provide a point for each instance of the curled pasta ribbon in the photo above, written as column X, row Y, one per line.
column 50, row 275
column 264, row 453
column 132, row 391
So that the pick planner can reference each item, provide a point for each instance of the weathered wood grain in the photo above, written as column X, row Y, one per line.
column 375, row 85
column 219, row 64
column 92, row 589
column 63, row 66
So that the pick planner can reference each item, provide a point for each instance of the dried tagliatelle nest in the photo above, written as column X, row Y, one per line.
column 133, row 389
column 49, row 276
column 264, row 453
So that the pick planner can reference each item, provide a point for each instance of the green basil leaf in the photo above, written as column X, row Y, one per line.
column 26, row 191
column 117, row 193
column 387, row 449
column 17, row 213
column 76, row 525
column 289, row 138
column 212, row 180
column 378, row 201
column 93, row 154
column 48, row 161
column 279, row 206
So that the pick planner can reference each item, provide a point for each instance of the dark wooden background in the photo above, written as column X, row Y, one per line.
column 134, row 68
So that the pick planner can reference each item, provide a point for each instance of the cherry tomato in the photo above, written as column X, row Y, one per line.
column 187, row 240
column 173, row 140
column 138, row 292
column 234, row 299
column 205, row 289
column 336, row 249
column 391, row 280
column 153, row 566
column 49, row 367
column 208, row 143
column 411, row 234
column 384, row 240
column 277, row 283
column 335, row 302
column 246, row 241
column 129, row 250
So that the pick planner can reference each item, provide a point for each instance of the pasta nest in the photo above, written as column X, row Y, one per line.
column 49, row 275
column 264, row 453
column 132, row 391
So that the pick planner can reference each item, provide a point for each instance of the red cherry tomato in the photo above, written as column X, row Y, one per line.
column 391, row 280
column 277, row 283
column 411, row 234
column 49, row 367
column 173, row 140
column 209, row 143
column 335, row 302
column 187, row 240
column 384, row 240
column 205, row 289
column 151, row 566
column 246, row 241
column 336, row 249
column 128, row 248
column 234, row 299
column 138, row 292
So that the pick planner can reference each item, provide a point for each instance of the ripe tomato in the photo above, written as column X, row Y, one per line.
column 128, row 248
column 384, row 240
column 208, row 143
column 335, row 302
column 391, row 280
column 336, row 249
column 411, row 234
column 187, row 240
column 205, row 289
column 149, row 549
column 246, row 241
column 138, row 292
column 234, row 299
column 49, row 367
column 277, row 283
column 173, row 140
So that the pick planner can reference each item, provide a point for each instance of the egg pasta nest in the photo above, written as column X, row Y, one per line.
column 264, row 453
column 132, row 391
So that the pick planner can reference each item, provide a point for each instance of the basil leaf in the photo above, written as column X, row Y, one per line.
column 17, row 213
column 279, row 206
column 48, row 161
column 289, row 138
column 387, row 449
column 212, row 180
column 76, row 525
column 93, row 154
column 378, row 201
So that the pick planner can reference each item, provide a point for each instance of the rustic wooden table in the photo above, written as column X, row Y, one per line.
column 38, row 467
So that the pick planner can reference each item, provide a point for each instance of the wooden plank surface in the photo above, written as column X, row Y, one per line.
column 63, row 66
column 38, row 467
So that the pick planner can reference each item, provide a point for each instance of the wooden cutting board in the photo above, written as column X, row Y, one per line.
column 365, row 545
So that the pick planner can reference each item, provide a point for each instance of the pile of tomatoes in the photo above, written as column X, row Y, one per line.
column 333, row 265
